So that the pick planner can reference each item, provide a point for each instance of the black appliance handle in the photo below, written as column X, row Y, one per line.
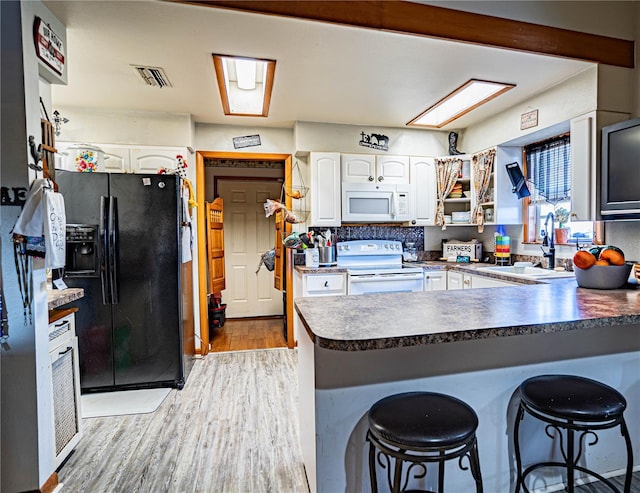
column 104, row 209
column 113, row 249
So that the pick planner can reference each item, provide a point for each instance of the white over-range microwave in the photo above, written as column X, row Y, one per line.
column 375, row 203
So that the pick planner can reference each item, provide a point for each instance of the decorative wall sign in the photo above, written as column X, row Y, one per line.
column 246, row 141
column 13, row 196
column 374, row 141
column 529, row 119
column 49, row 47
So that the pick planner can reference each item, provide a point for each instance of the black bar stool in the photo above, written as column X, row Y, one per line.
column 419, row 428
column 579, row 406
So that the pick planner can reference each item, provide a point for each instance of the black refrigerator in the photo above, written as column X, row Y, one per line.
column 124, row 248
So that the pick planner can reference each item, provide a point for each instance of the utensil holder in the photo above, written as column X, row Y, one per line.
column 327, row 255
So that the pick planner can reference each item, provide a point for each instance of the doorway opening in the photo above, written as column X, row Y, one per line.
column 256, row 311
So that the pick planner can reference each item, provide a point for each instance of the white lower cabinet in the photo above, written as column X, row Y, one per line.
column 324, row 284
column 459, row 280
column 435, row 280
column 65, row 387
column 488, row 282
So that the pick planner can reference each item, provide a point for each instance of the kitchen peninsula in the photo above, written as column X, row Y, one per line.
column 354, row 350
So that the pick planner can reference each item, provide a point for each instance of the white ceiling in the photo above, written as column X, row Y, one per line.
column 324, row 72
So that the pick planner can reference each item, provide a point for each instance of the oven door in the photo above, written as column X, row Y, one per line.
column 384, row 283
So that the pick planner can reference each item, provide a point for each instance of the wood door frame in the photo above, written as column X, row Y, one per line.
column 202, row 238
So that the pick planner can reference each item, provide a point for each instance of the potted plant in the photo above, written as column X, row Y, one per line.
column 562, row 217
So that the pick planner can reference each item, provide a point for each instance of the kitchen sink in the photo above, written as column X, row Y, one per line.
column 527, row 272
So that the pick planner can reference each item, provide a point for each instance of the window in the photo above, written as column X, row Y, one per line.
column 548, row 169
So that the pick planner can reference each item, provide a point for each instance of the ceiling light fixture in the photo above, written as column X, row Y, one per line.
column 245, row 84
column 465, row 98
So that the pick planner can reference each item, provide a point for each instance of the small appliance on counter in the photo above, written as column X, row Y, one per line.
column 455, row 248
column 410, row 255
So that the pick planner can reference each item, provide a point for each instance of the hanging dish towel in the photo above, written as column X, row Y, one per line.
column 54, row 228
column 186, row 232
column 43, row 223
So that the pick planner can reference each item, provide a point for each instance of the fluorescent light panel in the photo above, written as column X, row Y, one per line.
column 460, row 102
column 245, row 84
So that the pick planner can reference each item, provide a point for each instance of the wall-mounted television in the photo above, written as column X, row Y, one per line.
column 620, row 172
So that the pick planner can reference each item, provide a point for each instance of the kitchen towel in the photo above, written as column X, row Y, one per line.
column 43, row 216
column 54, row 228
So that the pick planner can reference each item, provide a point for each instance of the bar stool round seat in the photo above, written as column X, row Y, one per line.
column 576, row 406
column 417, row 428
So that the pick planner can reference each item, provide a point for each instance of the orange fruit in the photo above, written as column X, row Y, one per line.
column 602, row 262
column 614, row 257
column 584, row 259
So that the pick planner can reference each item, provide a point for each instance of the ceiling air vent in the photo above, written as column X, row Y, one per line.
column 152, row 76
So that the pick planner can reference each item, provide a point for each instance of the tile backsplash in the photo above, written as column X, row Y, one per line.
column 625, row 235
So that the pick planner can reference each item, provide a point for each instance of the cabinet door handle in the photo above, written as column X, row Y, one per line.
column 380, row 178
column 467, row 282
column 371, row 178
column 65, row 351
column 326, row 284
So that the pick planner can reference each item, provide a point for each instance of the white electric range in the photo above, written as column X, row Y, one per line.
column 375, row 266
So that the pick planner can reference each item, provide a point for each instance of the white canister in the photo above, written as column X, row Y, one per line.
column 86, row 158
column 312, row 257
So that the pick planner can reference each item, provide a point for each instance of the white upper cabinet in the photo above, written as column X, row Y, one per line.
column 423, row 191
column 116, row 158
column 392, row 169
column 358, row 168
column 125, row 158
column 152, row 159
column 368, row 168
column 325, row 189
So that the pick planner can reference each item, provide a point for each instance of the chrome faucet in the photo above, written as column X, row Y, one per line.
column 546, row 242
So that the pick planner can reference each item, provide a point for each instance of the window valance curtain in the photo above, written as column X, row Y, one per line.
column 481, row 168
column 549, row 169
column 447, row 171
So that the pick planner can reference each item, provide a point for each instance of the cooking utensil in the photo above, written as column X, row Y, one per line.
column 306, row 240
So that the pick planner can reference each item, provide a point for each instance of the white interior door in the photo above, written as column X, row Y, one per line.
column 248, row 234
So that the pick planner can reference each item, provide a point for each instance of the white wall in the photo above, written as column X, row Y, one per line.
column 557, row 105
column 329, row 137
column 27, row 447
column 220, row 138
column 126, row 127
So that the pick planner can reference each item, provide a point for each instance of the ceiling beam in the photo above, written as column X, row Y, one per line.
column 442, row 23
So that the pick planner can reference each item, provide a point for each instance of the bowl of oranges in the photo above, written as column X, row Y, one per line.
column 601, row 267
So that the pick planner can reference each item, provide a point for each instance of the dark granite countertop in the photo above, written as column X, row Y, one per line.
column 379, row 321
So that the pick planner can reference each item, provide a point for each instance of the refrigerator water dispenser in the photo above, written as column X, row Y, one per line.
column 82, row 250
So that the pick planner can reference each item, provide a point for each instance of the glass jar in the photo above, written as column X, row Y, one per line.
column 489, row 215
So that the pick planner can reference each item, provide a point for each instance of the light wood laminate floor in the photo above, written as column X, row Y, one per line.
column 233, row 428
